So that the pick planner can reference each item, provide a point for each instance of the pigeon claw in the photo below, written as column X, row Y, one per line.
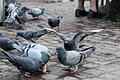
column 27, row 75
column 35, row 18
column 72, row 71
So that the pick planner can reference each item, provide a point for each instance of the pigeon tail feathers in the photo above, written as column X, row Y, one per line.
column 87, row 52
column 10, row 57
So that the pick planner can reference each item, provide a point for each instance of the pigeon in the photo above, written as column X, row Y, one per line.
column 36, row 12
column 73, row 58
column 54, row 21
column 6, row 43
column 30, row 48
column 32, row 35
column 27, row 66
column 73, row 43
column 34, row 51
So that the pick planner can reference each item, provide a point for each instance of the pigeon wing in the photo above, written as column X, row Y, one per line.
column 86, row 52
column 72, row 58
column 79, row 36
column 22, row 63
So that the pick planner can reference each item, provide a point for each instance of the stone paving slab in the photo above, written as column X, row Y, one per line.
column 102, row 65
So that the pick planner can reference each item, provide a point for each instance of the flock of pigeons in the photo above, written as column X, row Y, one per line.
column 33, row 56
column 18, row 13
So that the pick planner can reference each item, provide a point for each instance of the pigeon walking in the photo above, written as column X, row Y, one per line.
column 6, row 43
column 54, row 21
column 73, row 58
column 27, row 66
column 36, row 12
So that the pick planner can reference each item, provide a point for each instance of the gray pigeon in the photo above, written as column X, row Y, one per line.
column 32, row 35
column 73, row 58
column 72, row 43
column 36, row 12
column 27, row 66
column 6, row 43
column 34, row 51
column 54, row 21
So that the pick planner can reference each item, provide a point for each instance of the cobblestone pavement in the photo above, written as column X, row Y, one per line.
column 103, row 65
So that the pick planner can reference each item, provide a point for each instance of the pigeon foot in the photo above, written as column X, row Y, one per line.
column 27, row 75
column 43, row 69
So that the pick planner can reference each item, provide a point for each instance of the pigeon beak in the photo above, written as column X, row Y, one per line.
column 49, row 29
column 60, row 17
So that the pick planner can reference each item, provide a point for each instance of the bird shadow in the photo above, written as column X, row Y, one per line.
column 67, row 73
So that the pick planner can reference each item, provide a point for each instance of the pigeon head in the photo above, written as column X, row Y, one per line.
column 69, row 45
column 19, row 34
column 69, row 42
column 61, row 55
column 18, row 4
column 60, row 50
column 59, row 17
